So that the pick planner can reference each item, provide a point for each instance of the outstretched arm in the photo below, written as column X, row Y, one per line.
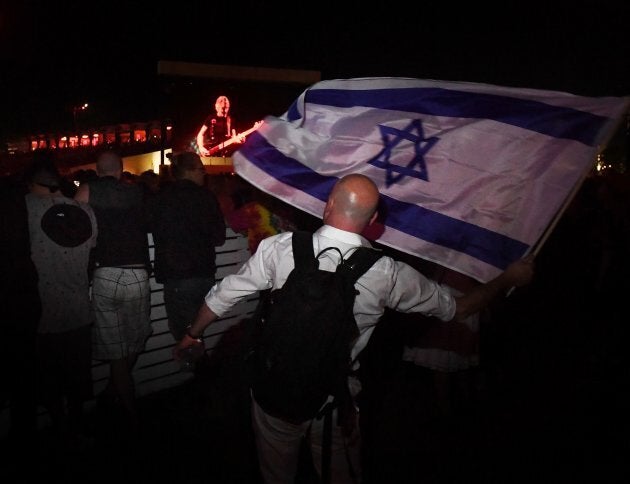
column 250, row 278
column 518, row 273
column 204, row 317
column 200, row 135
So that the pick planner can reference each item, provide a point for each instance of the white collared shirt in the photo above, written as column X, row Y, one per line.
column 388, row 283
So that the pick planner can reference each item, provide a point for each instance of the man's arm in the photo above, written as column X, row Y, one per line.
column 200, row 138
column 204, row 317
column 519, row 273
column 250, row 278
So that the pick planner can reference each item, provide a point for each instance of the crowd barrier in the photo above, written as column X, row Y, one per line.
column 155, row 369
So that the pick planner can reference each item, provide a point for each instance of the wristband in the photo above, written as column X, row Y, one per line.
column 196, row 338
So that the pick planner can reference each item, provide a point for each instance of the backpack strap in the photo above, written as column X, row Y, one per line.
column 303, row 255
column 355, row 266
column 327, row 444
column 360, row 261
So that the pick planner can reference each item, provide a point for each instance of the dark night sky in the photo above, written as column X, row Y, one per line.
column 107, row 53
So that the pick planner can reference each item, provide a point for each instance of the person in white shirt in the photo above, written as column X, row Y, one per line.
column 351, row 206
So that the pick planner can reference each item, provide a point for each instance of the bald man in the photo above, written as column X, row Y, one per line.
column 121, row 293
column 351, row 207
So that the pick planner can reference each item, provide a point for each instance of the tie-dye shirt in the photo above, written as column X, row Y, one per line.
column 258, row 222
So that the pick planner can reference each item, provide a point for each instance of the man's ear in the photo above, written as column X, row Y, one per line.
column 373, row 218
column 328, row 208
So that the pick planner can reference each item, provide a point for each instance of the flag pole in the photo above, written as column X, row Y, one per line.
column 541, row 241
column 537, row 247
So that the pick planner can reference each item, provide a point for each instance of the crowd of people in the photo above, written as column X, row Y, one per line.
column 76, row 288
column 77, row 276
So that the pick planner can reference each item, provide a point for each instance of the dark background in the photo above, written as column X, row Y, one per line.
column 554, row 405
column 58, row 55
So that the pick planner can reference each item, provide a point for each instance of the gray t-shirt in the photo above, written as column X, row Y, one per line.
column 62, row 232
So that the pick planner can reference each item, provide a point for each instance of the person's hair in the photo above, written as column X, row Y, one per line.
column 43, row 170
column 109, row 163
column 183, row 162
column 149, row 174
column 220, row 99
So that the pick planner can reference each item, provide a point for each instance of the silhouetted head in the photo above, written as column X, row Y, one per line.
column 109, row 163
column 188, row 166
column 43, row 171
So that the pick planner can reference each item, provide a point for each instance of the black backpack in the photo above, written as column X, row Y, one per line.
column 301, row 351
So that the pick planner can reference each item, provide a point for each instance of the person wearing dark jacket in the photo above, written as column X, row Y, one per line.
column 121, row 292
column 187, row 225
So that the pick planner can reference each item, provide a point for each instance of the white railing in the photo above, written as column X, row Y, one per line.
column 156, row 370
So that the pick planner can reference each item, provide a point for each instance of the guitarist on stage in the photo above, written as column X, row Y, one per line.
column 217, row 129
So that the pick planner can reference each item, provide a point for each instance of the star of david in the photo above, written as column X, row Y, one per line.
column 416, row 167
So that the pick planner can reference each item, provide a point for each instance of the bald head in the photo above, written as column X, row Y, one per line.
column 352, row 203
column 109, row 164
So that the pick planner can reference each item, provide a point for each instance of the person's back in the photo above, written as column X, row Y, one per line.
column 351, row 206
column 187, row 225
column 62, row 232
column 61, row 255
column 119, row 209
column 301, row 350
column 121, row 292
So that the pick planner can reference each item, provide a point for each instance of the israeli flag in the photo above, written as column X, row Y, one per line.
column 471, row 175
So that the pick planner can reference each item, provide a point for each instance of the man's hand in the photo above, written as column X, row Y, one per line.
column 517, row 274
column 521, row 272
column 182, row 344
column 205, row 316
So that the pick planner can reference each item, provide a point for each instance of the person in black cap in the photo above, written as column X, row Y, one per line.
column 62, row 233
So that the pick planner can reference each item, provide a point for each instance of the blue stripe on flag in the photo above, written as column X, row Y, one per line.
column 495, row 249
column 556, row 121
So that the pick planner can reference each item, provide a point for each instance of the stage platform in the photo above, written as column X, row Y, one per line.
column 217, row 164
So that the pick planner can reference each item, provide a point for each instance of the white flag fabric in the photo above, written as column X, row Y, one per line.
column 470, row 174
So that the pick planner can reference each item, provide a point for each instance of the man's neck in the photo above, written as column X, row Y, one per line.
column 42, row 191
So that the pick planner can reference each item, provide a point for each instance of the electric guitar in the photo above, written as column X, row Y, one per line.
column 236, row 138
